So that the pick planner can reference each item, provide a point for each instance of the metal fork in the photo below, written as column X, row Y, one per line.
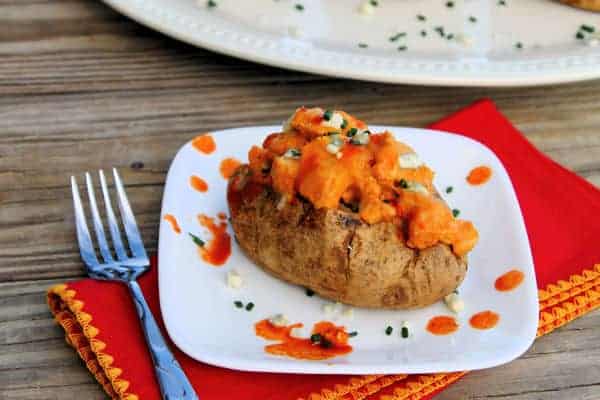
column 127, row 268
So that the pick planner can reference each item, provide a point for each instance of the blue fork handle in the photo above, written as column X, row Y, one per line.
column 173, row 383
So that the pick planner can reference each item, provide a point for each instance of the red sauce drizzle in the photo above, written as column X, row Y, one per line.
column 442, row 325
column 479, row 175
column 198, row 183
column 228, row 167
column 509, row 280
column 170, row 218
column 334, row 340
column 217, row 250
column 204, row 144
column 484, row 320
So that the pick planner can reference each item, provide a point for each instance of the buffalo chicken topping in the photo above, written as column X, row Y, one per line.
column 331, row 158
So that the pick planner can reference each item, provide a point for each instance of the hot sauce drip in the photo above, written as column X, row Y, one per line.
column 442, row 325
column 170, row 218
column 204, row 144
column 479, row 175
column 198, row 183
column 228, row 167
column 222, row 216
column 484, row 320
column 218, row 249
column 327, row 340
column 509, row 280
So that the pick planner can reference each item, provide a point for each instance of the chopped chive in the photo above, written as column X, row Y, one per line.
column 352, row 132
column 579, row 35
column 299, row 7
column 403, row 183
column 519, row 45
column 404, row 332
column 344, row 124
column 316, row 338
column 501, row 2
column 440, row 30
column 249, row 306
column 238, row 304
column 587, row 28
column 389, row 330
column 397, row 36
column 472, row 19
column 327, row 115
column 196, row 239
column 450, row 36
column 455, row 212
column 449, row 189
column 310, row 292
column 421, row 17
column 363, row 45
column 449, row 4
column 374, row 3
column 402, row 48
column 211, row 4
column 353, row 334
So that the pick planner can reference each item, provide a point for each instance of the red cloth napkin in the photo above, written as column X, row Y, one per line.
column 562, row 215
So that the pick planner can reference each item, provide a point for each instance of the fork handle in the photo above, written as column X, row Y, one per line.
column 173, row 383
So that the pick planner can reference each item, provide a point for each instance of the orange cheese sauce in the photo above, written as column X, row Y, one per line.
column 442, row 325
column 198, row 183
column 204, row 144
column 334, row 340
column 218, row 249
column 170, row 218
column 479, row 175
column 484, row 320
column 228, row 167
column 509, row 280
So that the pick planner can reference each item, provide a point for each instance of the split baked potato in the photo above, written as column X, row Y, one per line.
column 358, row 222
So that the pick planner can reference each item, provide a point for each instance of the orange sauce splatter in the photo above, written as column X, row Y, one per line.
column 204, row 144
column 484, row 320
column 228, row 167
column 217, row 250
column 442, row 325
column 222, row 216
column 479, row 175
column 509, row 280
column 333, row 340
column 170, row 218
column 198, row 183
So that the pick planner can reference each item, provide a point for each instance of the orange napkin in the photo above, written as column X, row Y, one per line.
column 562, row 215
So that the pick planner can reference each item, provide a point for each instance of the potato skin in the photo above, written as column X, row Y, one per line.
column 334, row 253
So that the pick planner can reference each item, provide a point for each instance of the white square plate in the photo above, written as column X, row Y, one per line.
column 201, row 319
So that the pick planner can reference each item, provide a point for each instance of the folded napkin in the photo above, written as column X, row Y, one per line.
column 562, row 215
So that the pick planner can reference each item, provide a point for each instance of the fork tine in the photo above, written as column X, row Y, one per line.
column 131, row 229
column 113, row 226
column 98, row 226
column 86, row 248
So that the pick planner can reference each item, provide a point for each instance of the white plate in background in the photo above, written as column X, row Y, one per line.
column 265, row 31
column 201, row 319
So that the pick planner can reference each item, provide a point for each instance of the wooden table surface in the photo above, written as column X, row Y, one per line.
column 83, row 88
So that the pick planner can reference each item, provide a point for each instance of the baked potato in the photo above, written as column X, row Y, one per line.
column 372, row 246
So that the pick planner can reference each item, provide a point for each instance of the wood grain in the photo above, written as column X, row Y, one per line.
column 83, row 88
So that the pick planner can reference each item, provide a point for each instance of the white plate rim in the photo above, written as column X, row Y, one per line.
column 292, row 366
column 223, row 38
